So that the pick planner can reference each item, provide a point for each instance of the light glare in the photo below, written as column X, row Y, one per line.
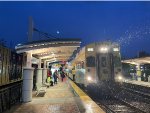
column 104, row 49
column 89, row 78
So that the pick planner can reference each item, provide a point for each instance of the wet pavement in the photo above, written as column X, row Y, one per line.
column 60, row 98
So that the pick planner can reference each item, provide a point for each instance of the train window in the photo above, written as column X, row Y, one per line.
column 117, row 61
column 103, row 61
column 90, row 61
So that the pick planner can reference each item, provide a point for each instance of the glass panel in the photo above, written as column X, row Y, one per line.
column 117, row 61
column 103, row 61
column 90, row 61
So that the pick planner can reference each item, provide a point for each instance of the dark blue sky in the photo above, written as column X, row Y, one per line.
column 125, row 22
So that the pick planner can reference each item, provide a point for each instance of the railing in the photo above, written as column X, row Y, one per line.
column 10, row 95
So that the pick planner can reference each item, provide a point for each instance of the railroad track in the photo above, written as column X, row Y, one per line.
column 122, row 101
column 135, row 100
column 116, row 106
column 112, row 104
column 144, row 94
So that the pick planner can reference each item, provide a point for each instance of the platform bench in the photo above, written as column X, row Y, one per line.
column 40, row 88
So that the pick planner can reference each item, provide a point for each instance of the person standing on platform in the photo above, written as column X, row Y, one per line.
column 55, row 75
column 62, row 75
column 49, row 77
column 73, row 73
column 49, row 73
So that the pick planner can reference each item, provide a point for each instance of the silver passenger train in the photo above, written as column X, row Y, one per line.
column 100, row 61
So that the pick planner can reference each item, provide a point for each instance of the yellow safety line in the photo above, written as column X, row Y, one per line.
column 77, row 89
column 83, row 96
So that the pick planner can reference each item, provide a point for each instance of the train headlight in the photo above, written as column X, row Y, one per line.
column 103, row 49
column 120, row 78
column 89, row 78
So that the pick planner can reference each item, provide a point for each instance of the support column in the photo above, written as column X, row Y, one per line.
column 39, row 76
column 138, row 72
column 27, row 80
column 39, row 73
column 39, row 63
column 44, row 73
column 29, row 58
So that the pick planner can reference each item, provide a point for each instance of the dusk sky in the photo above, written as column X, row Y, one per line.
column 128, row 23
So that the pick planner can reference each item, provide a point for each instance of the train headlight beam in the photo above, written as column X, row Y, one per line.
column 120, row 77
column 89, row 78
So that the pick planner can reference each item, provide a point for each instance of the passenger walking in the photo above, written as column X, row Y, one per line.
column 73, row 73
column 62, row 75
column 55, row 75
column 49, row 77
column 49, row 73
column 50, row 81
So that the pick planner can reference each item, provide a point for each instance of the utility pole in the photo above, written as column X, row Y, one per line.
column 30, row 30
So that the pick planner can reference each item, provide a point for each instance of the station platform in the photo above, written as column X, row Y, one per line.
column 140, row 83
column 64, row 97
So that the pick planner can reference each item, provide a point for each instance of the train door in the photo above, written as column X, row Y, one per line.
column 104, row 66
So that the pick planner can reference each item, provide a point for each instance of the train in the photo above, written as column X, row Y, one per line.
column 97, row 62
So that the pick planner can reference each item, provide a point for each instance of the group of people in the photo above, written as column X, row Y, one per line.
column 53, row 78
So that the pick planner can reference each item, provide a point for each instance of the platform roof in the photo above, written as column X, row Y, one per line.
column 51, row 50
column 143, row 60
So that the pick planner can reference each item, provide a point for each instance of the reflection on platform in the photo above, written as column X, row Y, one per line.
column 60, row 98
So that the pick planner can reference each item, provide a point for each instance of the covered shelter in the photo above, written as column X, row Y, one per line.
column 138, row 62
column 43, row 51
column 142, row 60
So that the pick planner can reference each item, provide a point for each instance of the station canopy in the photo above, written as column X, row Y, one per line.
column 142, row 60
column 51, row 50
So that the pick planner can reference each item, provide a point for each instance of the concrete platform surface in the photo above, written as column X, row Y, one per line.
column 64, row 97
column 141, row 83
